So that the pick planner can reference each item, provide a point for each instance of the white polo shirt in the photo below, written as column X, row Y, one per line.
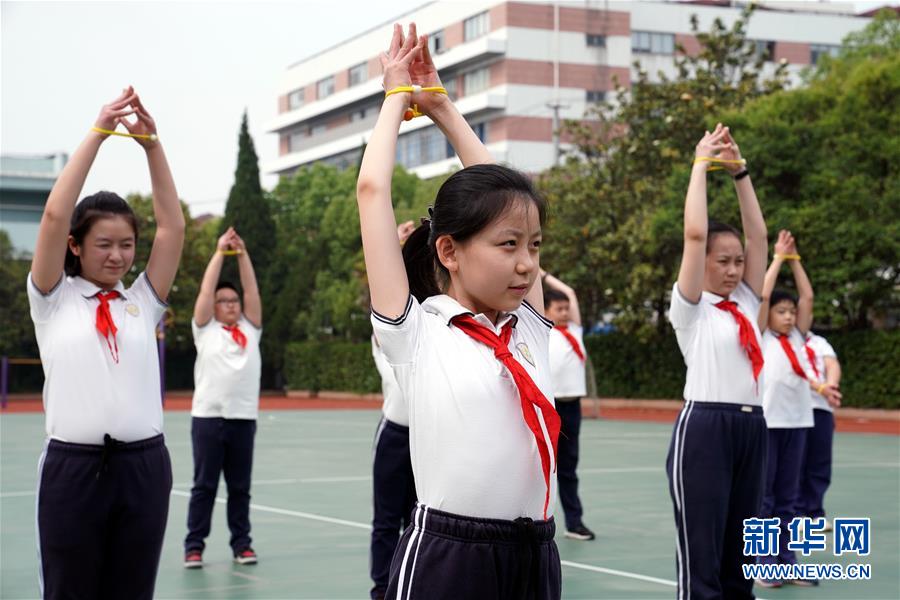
column 718, row 368
column 786, row 395
column 823, row 350
column 86, row 393
column 394, row 408
column 566, row 368
column 472, row 452
column 226, row 376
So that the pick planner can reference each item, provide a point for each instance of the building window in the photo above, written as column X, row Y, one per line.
column 450, row 86
column 295, row 140
column 296, row 99
column 436, row 42
column 816, row 51
column 475, row 27
column 325, row 88
column 651, row 42
column 594, row 96
column 765, row 49
column 476, row 81
column 359, row 115
column 359, row 74
column 595, row 41
column 318, row 129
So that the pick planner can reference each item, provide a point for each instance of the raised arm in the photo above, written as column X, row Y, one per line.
column 166, row 251
column 804, row 289
column 782, row 245
column 204, row 307
column 696, row 220
column 574, row 311
column 752, row 221
column 388, row 284
column 53, row 233
column 252, row 300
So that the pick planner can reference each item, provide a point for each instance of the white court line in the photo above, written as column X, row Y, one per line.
column 314, row 517
column 575, row 565
column 255, row 482
column 290, row 513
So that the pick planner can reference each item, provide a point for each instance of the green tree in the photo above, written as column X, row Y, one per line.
column 249, row 211
column 828, row 171
column 615, row 227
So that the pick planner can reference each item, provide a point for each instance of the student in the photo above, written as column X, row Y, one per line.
column 718, row 449
column 226, row 400
column 393, row 485
column 567, row 371
column 786, row 397
column 459, row 317
column 104, row 476
column 815, row 474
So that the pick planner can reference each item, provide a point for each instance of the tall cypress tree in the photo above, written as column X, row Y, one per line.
column 248, row 210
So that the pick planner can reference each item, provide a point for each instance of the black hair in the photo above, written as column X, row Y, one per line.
column 715, row 228
column 551, row 295
column 465, row 204
column 782, row 296
column 227, row 285
column 91, row 209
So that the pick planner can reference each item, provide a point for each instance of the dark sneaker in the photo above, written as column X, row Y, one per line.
column 193, row 559
column 580, row 533
column 769, row 583
column 245, row 557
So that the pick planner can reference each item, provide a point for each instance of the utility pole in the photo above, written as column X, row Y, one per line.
column 555, row 105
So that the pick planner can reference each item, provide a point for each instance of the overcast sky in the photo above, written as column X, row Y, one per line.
column 196, row 65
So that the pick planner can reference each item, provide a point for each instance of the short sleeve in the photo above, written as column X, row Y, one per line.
column 823, row 348
column 682, row 312
column 399, row 338
column 747, row 299
column 200, row 331
column 42, row 306
column 142, row 292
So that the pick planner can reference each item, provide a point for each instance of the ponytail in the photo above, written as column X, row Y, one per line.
column 418, row 256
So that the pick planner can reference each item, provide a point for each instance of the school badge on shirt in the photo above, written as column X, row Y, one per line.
column 133, row 310
column 522, row 347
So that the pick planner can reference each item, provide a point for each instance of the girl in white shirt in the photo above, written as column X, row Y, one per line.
column 717, row 454
column 458, row 316
column 104, row 477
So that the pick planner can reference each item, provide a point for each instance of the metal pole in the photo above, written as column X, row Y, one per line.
column 4, row 380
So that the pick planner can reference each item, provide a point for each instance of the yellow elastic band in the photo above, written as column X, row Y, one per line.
column 727, row 161
column 788, row 256
column 152, row 136
column 413, row 111
column 821, row 387
column 229, row 252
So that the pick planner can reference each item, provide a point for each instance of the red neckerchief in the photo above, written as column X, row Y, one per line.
column 529, row 393
column 746, row 336
column 564, row 329
column 792, row 357
column 105, row 324
column 236, row 334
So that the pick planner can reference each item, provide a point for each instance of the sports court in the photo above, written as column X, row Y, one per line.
column 312, row 506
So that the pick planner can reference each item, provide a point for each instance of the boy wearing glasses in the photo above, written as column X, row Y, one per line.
column 226, row 400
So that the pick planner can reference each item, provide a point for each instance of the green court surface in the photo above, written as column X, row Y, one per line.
column 312, row 507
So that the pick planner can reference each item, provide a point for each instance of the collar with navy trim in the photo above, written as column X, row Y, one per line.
column 89, row 290
column 446, row 307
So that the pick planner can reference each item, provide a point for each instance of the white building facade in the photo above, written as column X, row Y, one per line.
column 514, row 68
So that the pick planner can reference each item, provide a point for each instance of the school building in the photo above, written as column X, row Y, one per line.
column 516, row 69
column 25, row 183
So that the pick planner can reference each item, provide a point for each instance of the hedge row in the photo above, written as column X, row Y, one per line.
column 625, row 367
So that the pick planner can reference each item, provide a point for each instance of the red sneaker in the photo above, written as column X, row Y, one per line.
column 245, row 557
column 193, row 559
